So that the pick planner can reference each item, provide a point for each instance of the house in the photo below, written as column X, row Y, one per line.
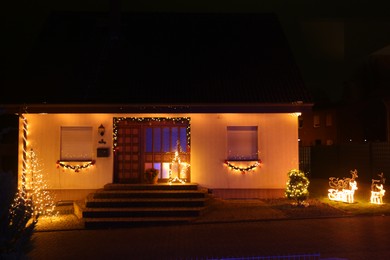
column 352, row 132
column 211, row 99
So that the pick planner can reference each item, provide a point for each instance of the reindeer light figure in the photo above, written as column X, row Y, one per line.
column 377, row 190
column 343, row 189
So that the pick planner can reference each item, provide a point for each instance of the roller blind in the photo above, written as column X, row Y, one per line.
column 76, row 143
column 242, row 142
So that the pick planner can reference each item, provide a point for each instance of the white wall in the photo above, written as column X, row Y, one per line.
column 44, row 138
column 277, row 142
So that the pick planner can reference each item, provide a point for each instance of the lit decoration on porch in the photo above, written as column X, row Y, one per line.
column 343, row 189
column 21, row 210
column 377, row 190
column 77, row 167
column 245, row 169
column 177, row 168
column 32, row 196
column 297, row 187
column 42, row 199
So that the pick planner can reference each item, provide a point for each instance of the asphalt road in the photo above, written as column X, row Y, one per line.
column 331, row 238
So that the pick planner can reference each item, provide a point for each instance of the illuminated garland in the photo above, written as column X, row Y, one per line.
column 243, row 170
column 116, row 120
column 76, row 168
column 33, row 196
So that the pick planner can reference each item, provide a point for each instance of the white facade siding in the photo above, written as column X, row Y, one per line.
column 277, row 145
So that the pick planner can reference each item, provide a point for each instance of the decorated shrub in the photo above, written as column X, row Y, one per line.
column 297, row 187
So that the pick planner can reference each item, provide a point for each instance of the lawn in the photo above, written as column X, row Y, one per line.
column 318, row 189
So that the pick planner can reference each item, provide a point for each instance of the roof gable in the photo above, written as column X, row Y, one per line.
column 163, row 58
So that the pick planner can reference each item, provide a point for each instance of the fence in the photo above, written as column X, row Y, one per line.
column 370, row 159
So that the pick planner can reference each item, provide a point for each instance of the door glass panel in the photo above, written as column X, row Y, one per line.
column 165, row 140
column 157, row 139
column 149, row 140
column 183, row 139
column 165, row 170
column 175, row 137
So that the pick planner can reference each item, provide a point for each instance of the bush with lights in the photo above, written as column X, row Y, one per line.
column 297, row 187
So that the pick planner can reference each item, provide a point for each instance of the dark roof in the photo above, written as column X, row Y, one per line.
column 161, row 59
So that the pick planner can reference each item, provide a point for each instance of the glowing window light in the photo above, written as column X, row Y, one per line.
column 343, row 189
column 377, row 190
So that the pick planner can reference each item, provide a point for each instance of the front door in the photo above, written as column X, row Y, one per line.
column 128, row 153
column 142, row 143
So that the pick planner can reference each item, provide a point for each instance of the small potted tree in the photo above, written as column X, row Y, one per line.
column 151, row 175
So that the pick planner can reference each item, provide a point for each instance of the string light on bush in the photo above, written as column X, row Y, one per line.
column 297, row 187
column 33, row 196
column 42, row 199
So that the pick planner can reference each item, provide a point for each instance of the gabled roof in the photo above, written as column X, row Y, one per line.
column 195, row 61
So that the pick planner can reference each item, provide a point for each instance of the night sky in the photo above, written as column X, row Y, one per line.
column 330, row 40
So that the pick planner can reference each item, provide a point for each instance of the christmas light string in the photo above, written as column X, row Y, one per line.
column 117, row 120
column 182, row 166
column 243, row 170
column 76, row 168
column 33, row 196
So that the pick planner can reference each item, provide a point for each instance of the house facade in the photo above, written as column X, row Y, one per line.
column 237, row 155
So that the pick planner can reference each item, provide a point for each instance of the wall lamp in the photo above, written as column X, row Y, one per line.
column 101, row 130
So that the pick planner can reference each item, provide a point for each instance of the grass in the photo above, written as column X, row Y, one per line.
column 318, row 189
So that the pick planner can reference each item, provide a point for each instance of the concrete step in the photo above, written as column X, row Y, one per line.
column 148, row 194
column 143, row 212
column 145, row 202
column 158, row 186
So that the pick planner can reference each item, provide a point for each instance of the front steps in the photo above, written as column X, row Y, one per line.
column 120, row 205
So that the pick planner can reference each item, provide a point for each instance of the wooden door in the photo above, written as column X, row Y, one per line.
column 128, row 159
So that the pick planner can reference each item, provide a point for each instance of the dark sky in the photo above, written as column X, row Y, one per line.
column 329, row 39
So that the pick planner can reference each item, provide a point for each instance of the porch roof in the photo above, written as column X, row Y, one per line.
column 155, row 108
column 159, row 62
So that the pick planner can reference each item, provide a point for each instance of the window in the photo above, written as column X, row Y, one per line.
column 316, row 121
column 76, row 143
column 300, row 122
column 328, row 120
column 164, row 140
column 242, row 143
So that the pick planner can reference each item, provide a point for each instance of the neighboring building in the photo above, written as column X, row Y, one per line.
column 319, row 127
column 354, row 132
column 222, row 91
column 362, row 114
